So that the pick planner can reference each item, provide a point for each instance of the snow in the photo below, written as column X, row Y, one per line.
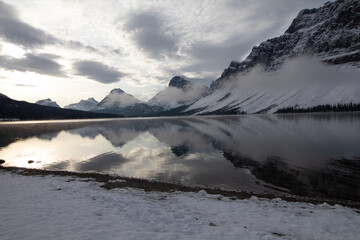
column 69, row 208
column 172, row 97
column 302, row 82
column 117, row 99
column 48, row 102
column 84, row 105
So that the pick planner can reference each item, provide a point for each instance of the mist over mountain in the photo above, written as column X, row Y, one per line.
column 315, row 62
column 120, row 102
column 330, row 34
column 180, row 91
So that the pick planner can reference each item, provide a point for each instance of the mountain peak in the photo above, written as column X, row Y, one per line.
column 92, row 100
column 117, row 98
column 47, row 102
column 179, row 82
column 116, row 90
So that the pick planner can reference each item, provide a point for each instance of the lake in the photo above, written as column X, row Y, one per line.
column 305, row 154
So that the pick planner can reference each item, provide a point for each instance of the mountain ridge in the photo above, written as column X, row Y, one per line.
column 315, row 62
column 330, row 33
column 21, row 110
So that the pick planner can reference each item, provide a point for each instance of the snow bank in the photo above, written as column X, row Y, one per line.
column 70, row 208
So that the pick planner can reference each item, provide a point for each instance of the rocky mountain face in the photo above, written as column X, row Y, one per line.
column 180, row 91
column 84, row 105
column 47, row 102
column 330, row 33
column 314, row 63
column 180, row 82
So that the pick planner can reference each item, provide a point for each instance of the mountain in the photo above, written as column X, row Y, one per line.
column 315, row 62
column 47, row 102
column 179, row 92
column 330, row 33
column 84, row 105
column 117, row 98
column 20, row 110
column 120, row 102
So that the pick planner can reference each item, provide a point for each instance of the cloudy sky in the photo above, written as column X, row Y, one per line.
column 75, row 49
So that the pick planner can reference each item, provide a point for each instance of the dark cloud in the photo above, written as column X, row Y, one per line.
column 209, row 59
column 267, row 19
column 97, row 71
column 32, row 63
column 150, row 35
column 23, row 85
column 13, row 30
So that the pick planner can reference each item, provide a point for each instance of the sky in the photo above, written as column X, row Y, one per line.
column 69, row 50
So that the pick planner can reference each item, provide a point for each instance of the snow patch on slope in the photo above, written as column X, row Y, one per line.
column 48, row 102
column 117, row 98
column 301, row 82
column 84, row 105
column 172, row 97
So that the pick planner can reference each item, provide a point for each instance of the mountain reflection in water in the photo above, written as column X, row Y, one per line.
column 311, row 155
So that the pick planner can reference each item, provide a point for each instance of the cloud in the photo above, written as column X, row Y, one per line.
column 97, row 71
column 150, row 34
column 172, row 97
column 297, row 73
column 41, row 64
column 13, row 30
column 23, row 85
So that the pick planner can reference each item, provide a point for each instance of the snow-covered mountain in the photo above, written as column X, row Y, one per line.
column 117, row 98
column 47, row 102
column 276, row 74
column 120, row 102
column 84, row 105
column 180, row 91
column 330, row 33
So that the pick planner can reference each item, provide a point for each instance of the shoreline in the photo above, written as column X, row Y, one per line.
column 109, row 182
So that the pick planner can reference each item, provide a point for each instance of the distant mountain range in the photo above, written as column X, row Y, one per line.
column 19, row 110
column 313, row 65
column 179, row 92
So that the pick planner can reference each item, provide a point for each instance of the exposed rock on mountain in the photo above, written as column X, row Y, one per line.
column 47, row 102
column 84, row 105
column 316, row 62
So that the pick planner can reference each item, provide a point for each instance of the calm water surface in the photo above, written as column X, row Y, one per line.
column 313, row 155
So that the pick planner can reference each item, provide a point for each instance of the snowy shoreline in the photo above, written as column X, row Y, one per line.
column 68, row 207
column 109, row 181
